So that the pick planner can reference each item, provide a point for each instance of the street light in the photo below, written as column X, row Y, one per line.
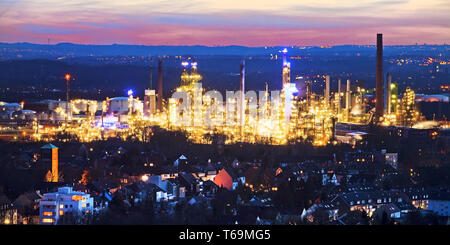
column 67, row 77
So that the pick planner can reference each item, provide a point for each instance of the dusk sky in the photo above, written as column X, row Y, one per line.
column 228, row 22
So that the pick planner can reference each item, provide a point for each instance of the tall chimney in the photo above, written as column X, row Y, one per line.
column 151, row 77
column 347, row 96
column 388, row 93
column 242, row 98
column 379, row 78
column 160, row 86
column 339, row 96
column 327, row 89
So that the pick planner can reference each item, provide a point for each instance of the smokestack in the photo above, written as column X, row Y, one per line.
column 388, row 93
column 151, row 77
column 339, row 96
column 379, row 78
column 347, row 96
column 160, row 86
column 242, row 89
column 327, row 89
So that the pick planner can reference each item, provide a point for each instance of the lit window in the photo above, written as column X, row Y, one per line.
column 47, row 220
column 76, row 198
column 61, row 206
column 84, row 205
column 61, row 212
column 48, row 213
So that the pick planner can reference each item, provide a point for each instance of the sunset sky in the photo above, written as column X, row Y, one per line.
column 225, row 22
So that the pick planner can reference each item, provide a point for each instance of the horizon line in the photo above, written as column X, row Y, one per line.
column 220, row 46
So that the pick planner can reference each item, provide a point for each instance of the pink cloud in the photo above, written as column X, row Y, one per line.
column 213, row 30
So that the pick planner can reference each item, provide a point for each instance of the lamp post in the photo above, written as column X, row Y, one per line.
column 67, row 77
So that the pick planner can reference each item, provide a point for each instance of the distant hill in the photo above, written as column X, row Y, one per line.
column 61, row 50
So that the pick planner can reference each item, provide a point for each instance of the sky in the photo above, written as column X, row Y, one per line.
column 226, row 22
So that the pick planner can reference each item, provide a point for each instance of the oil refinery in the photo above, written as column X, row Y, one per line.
column 267, row 117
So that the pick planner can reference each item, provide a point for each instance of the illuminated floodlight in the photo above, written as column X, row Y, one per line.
column 284, row 50
column 130, row 92
column 194, row 63
column 185, row 64
column 144, row 178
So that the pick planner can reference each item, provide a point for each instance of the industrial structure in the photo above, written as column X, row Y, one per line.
column 379, row 79
column 160, row 86
column 276, row 117
column 49, row 155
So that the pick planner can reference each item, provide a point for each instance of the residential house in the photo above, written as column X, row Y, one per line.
column 27, row 205
column 367, row 201
column 189, row 182
column 8, row 213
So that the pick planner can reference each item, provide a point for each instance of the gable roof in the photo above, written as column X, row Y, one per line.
column 188, row 177
column 223, row 179
column 390, row 208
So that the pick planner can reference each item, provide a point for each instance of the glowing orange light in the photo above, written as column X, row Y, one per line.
column 68, row 76
column 76, row 198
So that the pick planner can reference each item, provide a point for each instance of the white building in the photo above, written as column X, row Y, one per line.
column 122, row 105
column 54, row 206
column 60, row 110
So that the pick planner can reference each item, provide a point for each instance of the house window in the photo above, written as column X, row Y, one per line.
column 48, row 213
column 47, row 220
column 76, row 198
